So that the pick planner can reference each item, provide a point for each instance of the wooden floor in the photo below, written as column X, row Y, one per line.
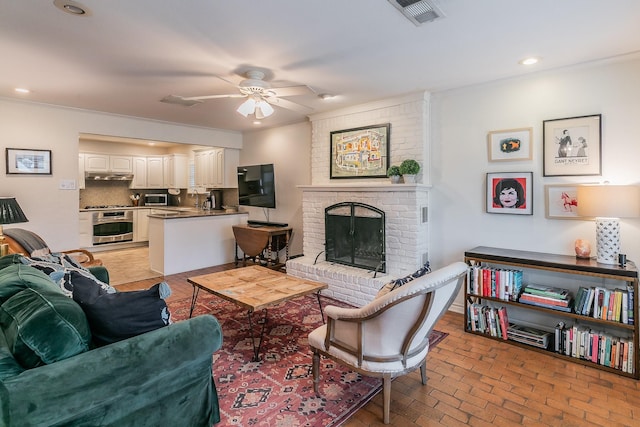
column 475, row 381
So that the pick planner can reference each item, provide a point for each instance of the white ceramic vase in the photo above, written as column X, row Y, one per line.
column 395, row 179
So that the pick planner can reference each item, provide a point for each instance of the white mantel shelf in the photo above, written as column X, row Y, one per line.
column 365, row 187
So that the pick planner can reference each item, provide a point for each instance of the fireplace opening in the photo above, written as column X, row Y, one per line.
column 354, row 235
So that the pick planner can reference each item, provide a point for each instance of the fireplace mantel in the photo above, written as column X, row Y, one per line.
column 366, row 187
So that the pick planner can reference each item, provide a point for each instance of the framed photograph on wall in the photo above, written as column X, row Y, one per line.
column 510, row 144
column 510, row 193
column 572, row 146
column 561, row 201
column 360, row 152
column 30, row 162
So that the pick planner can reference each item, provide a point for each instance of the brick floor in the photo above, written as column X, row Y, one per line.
column 475, row 381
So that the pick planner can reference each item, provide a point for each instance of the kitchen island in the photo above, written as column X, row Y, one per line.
column 185, row 240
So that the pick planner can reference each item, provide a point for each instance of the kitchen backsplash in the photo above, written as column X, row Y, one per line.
column 98, row 193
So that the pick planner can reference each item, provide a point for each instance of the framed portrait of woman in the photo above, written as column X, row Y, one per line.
column 510, row 193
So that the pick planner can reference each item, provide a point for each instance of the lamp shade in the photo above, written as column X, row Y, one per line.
column 10, row 211
column 609, row 201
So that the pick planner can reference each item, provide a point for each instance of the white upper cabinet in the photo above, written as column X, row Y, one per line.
column 176, row 171
column 155, row 172
column 107, row 163
column 139, row 173
column 217, row 168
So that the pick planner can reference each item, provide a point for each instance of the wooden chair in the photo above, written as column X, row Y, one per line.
column 83, row 256
column 388, row 337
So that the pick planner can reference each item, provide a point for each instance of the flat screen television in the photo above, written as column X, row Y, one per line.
column 256, row 186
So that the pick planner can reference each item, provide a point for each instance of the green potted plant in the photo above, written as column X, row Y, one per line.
column 409, row 169
column 394, row 174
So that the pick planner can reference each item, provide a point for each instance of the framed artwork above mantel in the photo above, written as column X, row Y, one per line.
column 360, row 152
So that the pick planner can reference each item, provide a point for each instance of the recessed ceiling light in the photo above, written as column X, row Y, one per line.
column 257, row 122
column 325, row 96
column 529, row 61
column 22, row 90
column 71, row 7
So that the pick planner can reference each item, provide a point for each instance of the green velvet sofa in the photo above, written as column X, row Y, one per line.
column 159, row 378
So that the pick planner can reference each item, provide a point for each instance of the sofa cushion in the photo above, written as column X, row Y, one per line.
column 8, row 260
column 43, row 326
column 121, row 315
column 395, row 284
column 17, row 277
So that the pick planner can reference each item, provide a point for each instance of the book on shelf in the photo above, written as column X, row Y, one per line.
column 547, row 291
column 549, row 306
column 529, row 335
column 545, row 300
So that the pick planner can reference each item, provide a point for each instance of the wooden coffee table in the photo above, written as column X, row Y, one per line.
column 254, row 288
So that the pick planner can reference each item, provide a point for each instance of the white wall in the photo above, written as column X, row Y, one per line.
column 460, row 122
column 289, row 149
column 53, row 213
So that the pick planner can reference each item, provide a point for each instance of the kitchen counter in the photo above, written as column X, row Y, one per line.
column 191, row 239
column 190, row 213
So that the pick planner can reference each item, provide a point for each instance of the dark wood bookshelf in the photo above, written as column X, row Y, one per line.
column 562, row 265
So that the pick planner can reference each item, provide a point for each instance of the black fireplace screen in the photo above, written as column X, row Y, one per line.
column 354, row 234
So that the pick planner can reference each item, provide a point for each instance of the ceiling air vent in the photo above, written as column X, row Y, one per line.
column 418, row 11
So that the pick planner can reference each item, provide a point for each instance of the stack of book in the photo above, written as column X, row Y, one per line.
column 547, row 297
column 528, row 335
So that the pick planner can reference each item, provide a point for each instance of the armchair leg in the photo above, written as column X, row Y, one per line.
column 423, row 372
column 315, row 369
column 386, row 397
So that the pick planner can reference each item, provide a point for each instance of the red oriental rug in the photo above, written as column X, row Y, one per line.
column 278, row 390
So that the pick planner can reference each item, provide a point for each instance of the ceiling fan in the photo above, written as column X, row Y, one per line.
column 259, row 93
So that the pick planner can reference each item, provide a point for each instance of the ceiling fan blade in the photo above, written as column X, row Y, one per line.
column 204, row 97
column 292, row 90
column 289, row 105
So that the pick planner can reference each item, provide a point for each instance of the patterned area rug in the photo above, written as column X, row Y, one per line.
column 278, row 390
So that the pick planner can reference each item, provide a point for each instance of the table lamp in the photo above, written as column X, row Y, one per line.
column 10, row 213
column 608, row 203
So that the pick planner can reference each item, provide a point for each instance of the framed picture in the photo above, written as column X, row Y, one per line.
column 573, row 146
column 32, row 162
column 561, row 202
column 510, row 144
column 510, row 193
column 360, row 152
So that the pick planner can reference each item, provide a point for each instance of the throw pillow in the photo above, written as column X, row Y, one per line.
column 121, row 315
column 59, row 268
column 17, row 277
column 395, row 284
column 43, row 326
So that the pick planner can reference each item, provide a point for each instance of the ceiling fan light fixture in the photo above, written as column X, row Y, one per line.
column 265, row 108
column 247, row 107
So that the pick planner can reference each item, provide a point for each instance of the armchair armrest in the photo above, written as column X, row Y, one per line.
column 124, row 382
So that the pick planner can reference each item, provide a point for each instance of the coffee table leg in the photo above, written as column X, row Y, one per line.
column 194, row 297
column 320, row 305
column 256, row 350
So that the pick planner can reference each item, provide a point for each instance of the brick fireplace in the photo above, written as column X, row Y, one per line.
column 406, row 210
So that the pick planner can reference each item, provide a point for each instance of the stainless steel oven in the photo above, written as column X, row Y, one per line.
column 112, row 226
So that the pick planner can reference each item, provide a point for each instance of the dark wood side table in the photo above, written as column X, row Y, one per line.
column 261, row 241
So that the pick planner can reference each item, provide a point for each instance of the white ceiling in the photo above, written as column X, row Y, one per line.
column 128, row 54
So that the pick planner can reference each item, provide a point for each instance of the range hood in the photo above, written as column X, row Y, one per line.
column 108, row 176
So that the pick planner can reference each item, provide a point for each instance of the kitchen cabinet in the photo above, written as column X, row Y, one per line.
column 176, row 167
column 155, row 172
column 85, row 230
column 94, row 162
column 139, row 173
column 141, row 225
column 217, row 168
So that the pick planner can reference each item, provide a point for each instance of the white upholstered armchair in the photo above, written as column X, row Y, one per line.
column 389, row 336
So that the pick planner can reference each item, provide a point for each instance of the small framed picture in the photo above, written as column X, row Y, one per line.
column 510, row 193
column 510, row 144
column 572, row 146
column 30, row 162
column 561, row 202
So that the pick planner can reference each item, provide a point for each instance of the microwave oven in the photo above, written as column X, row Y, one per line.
column 155, row 199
